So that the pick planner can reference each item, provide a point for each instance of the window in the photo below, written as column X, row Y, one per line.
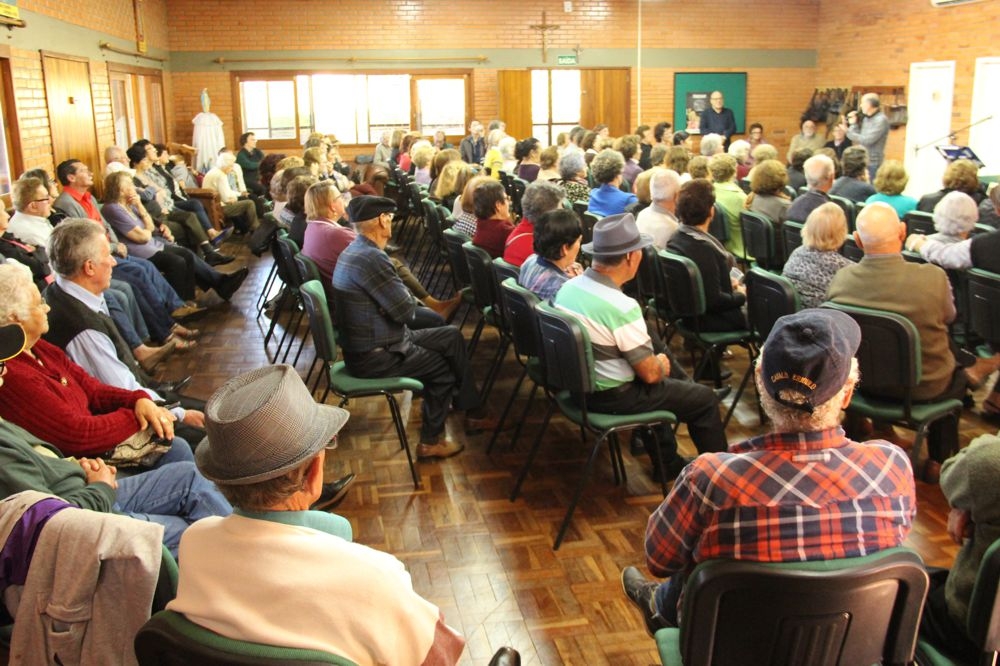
column 555, row 103
column 356, row 108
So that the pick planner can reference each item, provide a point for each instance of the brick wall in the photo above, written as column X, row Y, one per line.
column 32, row 114
column 115, row 18
column 873, row 43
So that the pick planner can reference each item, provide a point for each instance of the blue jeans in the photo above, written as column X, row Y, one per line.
column 173, row 495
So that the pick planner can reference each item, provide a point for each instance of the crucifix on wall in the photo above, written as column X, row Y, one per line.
column 544, row 27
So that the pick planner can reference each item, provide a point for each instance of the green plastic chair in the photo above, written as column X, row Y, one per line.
column 983, row 623
column 340, row 381
column 889, row 361
column 848, row 612
column 568, row 371
column 686, row 296
column 170, row 639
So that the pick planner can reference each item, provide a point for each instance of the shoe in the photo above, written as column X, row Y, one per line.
column 218, row 259
column 230, row 283
column 980, row 371
column 184, row 332
column 640, row 592
column 221, row 237
column 151, row 360
column 444, row 308
column 332, row 493
column 722, row 393
column 187, row 311
column 480, row 424
column 172, row 387
column 443, row 448
column 506, row 656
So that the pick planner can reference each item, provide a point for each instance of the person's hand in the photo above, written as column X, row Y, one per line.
column 149, row 415
column 664, row 363
column 165, row 232
column 121, row 250
column 97, row 471
column 194, row 418
column 739, row 287
column 161, row 196
column 133, row 199
column 574, row 269
column 914, row 242
column 959, row 525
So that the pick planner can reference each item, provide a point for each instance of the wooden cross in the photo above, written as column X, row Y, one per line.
column 543, row 28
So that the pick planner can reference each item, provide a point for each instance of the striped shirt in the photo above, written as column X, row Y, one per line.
column 618, row 333
column 784, row 497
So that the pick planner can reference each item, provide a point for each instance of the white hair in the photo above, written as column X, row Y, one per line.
column 16, row 289
column 740, row 149
column 226, row 159
column 711, row 144
column 956, row 214
column 789, row 419
column 817, row 169
column 664, row 184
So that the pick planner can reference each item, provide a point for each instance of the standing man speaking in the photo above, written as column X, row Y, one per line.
column 717, row 119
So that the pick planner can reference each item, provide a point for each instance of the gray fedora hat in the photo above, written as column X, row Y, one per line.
column 616, row 234
column 262, row 424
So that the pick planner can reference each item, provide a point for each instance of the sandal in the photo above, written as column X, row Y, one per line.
column 184, row 345
column 183, row 332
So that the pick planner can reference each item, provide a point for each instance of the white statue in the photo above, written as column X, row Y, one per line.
column 208, row 138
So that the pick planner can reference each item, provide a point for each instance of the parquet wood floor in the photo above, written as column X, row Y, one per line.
column 486, row 562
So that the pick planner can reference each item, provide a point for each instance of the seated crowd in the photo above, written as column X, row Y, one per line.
column 96, row 295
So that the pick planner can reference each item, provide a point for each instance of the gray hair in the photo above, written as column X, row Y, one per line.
column 607, row 165
column 15, row 292
column 956, row 214
column 818, row 169
column 226, row 159
column 539, row 198
column 789, row 419
column 506, row 147
column 73, row 244
column 711, row 144
column 664, row 184
column 740, row 149
column 572, row 163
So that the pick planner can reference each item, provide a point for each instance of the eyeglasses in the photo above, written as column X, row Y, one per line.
column 46, row 199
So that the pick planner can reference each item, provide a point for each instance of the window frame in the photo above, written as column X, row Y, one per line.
column 140, row 99
column 277, row 145
column 12, row 132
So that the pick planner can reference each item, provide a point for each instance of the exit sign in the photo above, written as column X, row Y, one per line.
column 567, row 60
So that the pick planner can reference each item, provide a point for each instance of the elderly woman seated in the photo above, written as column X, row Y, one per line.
column 557, row 243
column 607, row 198
column 147, row 240
column 812, row 265
column 573, row 173
column 339, row 597
column 730, row 198
column 959, row 176
column 56, row 400
column 955, row 217
column 890, row 181
column 493, row 217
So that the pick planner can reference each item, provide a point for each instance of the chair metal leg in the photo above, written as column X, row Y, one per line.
column 506, row 410
column 739, row 392
column 524, row 414
column 404, row 442
column 502, row 347
column 302, row 345
column 474, row 340
column 587, row 471
column 282, row 302
column 531, row 454
column 266, row 289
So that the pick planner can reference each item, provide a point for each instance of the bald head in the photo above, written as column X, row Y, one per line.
column 879, row 229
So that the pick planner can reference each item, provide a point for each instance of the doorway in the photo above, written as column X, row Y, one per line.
column 71, row 109
column 929, row 100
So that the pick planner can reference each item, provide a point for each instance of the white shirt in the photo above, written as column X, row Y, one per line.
column 658, row 223
column 217, row 180
column 30, row 229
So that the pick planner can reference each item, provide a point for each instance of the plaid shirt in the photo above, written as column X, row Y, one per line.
column 372, row 303
column 784, row 497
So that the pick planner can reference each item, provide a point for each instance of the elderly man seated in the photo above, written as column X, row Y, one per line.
column 374, row 312
column 659, row 220
column 241, row 212
column 819, row 171
column 635, row 374
column 338, row 596
column 885, row 281
column 174, row 495
column 804, row 492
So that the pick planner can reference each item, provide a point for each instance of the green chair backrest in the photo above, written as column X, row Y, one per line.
column 320, row 324
column 567, row 357
column 685, row 291
column 170, row 639
column 889, row 355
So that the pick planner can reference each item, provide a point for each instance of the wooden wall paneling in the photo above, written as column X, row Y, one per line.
column 515, row 101
column 603, row 95
column 71, row 109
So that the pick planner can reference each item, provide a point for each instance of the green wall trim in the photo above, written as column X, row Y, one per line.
column 49, row 34
column 200, row 61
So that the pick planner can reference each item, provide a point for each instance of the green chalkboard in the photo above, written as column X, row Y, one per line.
column 691, row 91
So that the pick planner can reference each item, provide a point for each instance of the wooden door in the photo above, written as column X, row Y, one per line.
column 604, row 99
column 71, row 110
column 515, row 101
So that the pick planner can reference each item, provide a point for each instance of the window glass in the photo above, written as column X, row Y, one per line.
column 388, row 104
column 555, row 102
column 442, row 106
column 566, row 96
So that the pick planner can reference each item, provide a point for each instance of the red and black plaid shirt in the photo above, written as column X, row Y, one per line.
column 784, row 497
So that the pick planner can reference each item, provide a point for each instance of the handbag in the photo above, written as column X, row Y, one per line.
column 143, row 449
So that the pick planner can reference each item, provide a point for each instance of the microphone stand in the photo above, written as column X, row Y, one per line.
column 951, row 135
